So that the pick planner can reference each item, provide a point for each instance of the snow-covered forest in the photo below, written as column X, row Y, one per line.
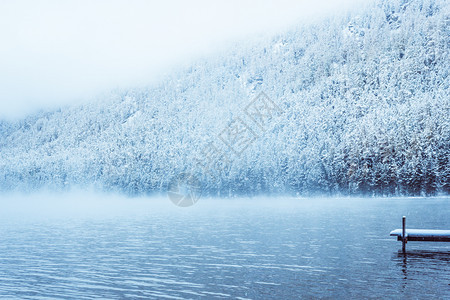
column 363, row 104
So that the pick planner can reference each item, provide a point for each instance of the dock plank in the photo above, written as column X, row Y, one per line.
column 425, row 235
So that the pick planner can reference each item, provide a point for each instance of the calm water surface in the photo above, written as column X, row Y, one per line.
column 241, row 249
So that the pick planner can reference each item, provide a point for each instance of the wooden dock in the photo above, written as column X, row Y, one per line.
column 422, row 235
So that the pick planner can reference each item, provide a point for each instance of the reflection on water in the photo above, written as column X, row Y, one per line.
column 420, row 259
column 307, row 248
column 424, row 255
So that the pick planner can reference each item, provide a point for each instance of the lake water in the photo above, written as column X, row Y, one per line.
column 241, row 248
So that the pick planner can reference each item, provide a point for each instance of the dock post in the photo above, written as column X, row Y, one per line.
column 404, row 234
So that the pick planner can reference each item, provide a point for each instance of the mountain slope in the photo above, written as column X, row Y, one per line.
column 363, row 108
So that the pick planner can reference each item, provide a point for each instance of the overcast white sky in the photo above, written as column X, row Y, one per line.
column 58, row 52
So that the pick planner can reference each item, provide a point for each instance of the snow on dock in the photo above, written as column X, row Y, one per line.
column 423, row 235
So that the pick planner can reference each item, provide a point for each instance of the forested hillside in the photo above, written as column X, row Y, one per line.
column 363, row 108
